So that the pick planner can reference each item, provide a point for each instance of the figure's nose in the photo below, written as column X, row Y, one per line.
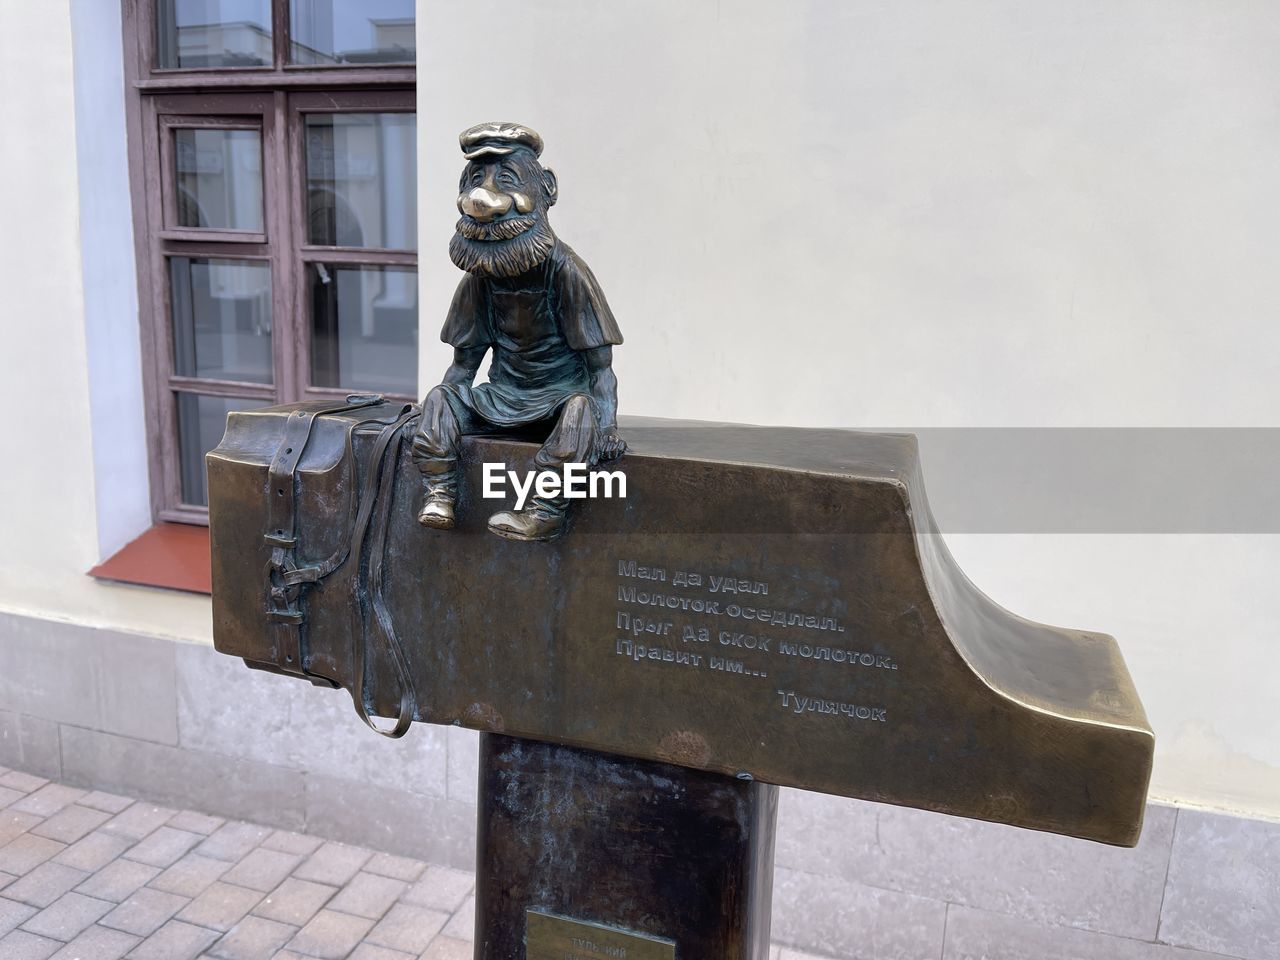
column 484, row 204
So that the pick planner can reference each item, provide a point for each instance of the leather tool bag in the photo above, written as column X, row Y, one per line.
column 326, row 507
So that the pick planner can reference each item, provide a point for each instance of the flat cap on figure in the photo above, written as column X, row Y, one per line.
column 529, row 299
column 498, row 139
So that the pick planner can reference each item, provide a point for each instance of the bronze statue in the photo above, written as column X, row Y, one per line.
column 771, row 607
column 530, row 299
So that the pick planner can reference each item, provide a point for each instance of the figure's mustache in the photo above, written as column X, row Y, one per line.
column 507, row 257
column 474, row 229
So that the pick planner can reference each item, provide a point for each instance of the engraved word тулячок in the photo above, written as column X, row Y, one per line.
column 530, row 299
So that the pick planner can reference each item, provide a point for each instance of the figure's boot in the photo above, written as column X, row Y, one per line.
column 442, row 494
column 543, row 519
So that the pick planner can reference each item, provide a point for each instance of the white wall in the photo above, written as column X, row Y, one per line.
column 852, row 214
column 110, row 277
column 63, row 445
column 939, row 214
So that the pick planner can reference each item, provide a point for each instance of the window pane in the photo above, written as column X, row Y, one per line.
column 362, row 180
column 352, row 31
column 218, row 178
column 221, row 319
column 195, row 34
column 364, row 328
column 201, row 422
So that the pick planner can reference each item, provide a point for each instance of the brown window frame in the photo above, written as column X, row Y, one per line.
column 273, row 99
column 306, row 253
column 168, row 123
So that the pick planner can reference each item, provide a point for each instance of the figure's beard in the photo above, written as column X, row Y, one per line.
column 503, row 248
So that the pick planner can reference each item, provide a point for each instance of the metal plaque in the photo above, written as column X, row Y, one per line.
column 548, row 937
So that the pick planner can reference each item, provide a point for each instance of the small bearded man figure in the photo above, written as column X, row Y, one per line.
column 529, row 299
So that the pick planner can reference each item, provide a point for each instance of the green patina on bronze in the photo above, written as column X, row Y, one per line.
column 532, row 303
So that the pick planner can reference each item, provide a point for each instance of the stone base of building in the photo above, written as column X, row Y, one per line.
column 182, row 725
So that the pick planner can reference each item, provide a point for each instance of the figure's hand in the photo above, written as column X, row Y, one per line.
column 609, row 446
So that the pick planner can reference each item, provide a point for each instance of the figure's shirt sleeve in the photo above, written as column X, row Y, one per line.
column 585, row 317
column 467, row 324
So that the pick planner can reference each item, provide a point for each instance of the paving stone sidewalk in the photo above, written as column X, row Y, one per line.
column 86, row 875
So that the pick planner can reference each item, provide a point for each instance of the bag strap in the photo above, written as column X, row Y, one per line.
column 283, row 584
column 367, row 586
column 287, row 576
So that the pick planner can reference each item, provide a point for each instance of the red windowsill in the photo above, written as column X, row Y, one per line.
column 170, row 555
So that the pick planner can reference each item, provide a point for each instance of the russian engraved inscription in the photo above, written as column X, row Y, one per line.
column 685, row 618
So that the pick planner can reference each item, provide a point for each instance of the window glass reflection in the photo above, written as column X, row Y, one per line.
column 204, row 34
column 362, row 180
column 364, row 328
column 352, row 31
column 201, row 422
column 218, row 178
column 221, row 319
